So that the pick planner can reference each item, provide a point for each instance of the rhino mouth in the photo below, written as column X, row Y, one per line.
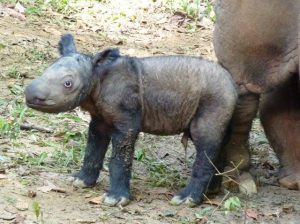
column 37, row 103
column 48, row 106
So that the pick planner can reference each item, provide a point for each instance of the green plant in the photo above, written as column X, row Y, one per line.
column 72, row 149
column 118, row 16
column 34, row 55
column 10, row 126
column 191, row 7
column 4, row 125
column 31, row 160
column 41, row 158
column 60, row 5
column 16, row 89
column 68, row 158
column 162, row 175
column 2, row 46
column 26, row 181
column 232, row 204
column 8, row 1
column 37, row 211
column 204, row 212
column 77, row 136
column 13, row 72
column 69, row 116
column 38, row 7
column 139, row 154
column 208, row 10
column 33, row 10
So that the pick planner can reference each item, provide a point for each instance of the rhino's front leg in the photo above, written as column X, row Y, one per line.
column 98, row 140
column 123, row 140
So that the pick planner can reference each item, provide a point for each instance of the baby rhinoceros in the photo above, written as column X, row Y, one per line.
column 164, row 95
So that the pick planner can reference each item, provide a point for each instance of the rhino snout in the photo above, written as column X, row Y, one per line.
column 35, row 94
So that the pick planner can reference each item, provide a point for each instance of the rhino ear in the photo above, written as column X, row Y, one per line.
column 106, row 56
column 67, row 45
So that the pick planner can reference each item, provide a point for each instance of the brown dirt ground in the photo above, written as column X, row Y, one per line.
column 29, row 45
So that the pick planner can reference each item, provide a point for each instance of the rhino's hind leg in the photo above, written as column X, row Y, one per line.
column 207, row 130
column 98, row 140
column 280, row 116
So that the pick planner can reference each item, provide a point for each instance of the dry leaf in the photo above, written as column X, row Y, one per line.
column 96, row 200
column 182, row 212
column 6, row 216
column 202, row 220
column 44, row 189
column 2, row 176
column 52, row 31
column 212, row 202
column 87, row 195
column 19, row 219
column 288, row 208
column 50, row 187
column 85, row 221
column 251, row 213
column 55, row 188
column 11, row 12
column 21, row 206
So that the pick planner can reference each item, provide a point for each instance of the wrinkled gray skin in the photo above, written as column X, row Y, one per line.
column 49, row 94
column 258, row 43
column 125, row 95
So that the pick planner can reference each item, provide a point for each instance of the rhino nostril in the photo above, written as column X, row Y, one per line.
column 38, row 100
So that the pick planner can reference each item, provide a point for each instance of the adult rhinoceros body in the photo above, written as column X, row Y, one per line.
column 258, row 42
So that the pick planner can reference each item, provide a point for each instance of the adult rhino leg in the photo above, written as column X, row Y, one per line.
column 237, row 149
column 280, row 117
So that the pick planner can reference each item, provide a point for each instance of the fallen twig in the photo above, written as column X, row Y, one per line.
column 183, row 14
column 229, row 171
column 224, row 174
column 26, row 126
column 223, row 199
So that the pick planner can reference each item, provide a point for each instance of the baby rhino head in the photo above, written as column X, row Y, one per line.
column 63, row 85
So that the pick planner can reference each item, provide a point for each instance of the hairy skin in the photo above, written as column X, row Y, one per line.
column 125, row 95
column 261, row 51
column 283, row 116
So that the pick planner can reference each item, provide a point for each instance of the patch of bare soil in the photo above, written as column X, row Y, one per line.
column 35, row 166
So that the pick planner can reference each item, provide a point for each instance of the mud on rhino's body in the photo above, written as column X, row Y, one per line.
column 125, row 95
column 258, row 42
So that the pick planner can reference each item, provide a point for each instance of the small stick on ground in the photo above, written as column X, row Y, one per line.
column 27, row 126
column 225, row 174
column 233, row 169
column 223, row 199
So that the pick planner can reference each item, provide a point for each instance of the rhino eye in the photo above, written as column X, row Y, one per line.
column 68, row 84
